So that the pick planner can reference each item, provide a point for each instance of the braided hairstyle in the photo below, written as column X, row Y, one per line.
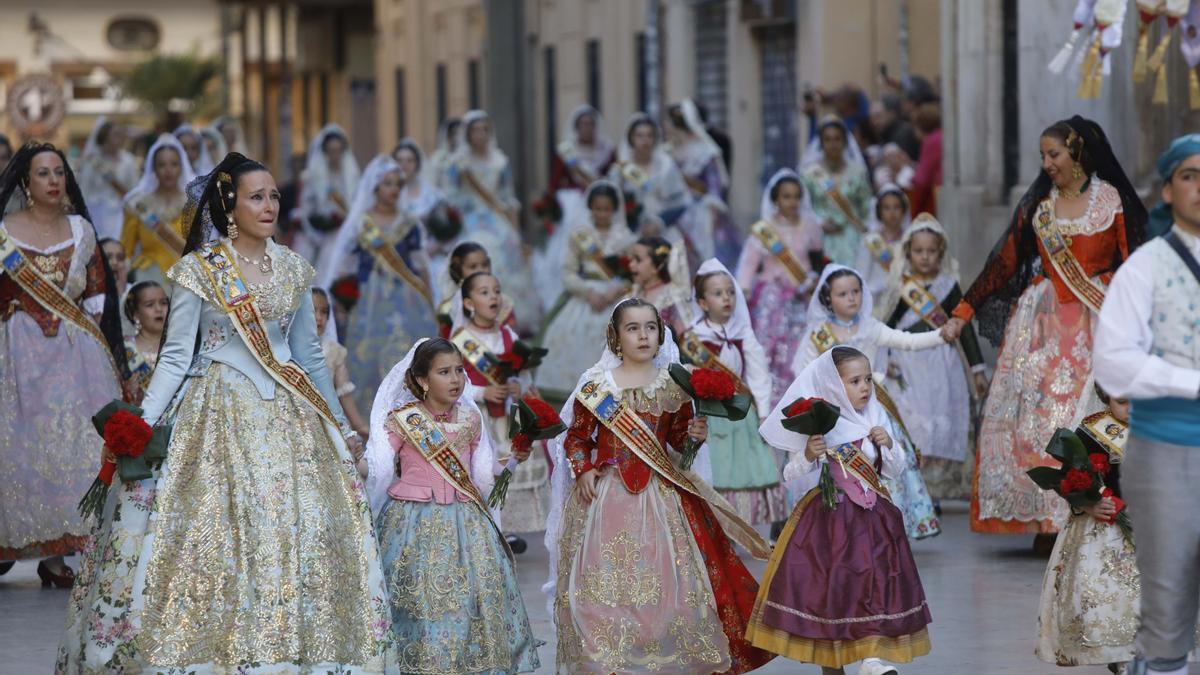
column 660, row 253
column 212, row 198
column 825, row 293
column 13, row 183
column 612, row 335
column 422, row 361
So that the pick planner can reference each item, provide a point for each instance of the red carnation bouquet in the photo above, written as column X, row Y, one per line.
column 548, row 211
column 136, row 446
column 522, row 356
column 531, row 419
column 815, row 417
column 633, row 210
column 715, row 394
column 1079, row 478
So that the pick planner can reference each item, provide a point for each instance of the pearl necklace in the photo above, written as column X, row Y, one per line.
column 264, row 265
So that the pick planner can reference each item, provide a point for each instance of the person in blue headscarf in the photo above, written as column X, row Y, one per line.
column 1145, row 350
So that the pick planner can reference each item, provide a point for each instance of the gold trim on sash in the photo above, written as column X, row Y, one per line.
column 696, row 185
column 385, row 254
column 1109, row 432
column 570, row 160
column 492, row 201
column 426, row 435
column 823, row 338
column 590, row 247
column 488, row 364
column 768, row 236
column 923, row 303
column 835, row 195
column 851, row 458
column 162, row 229
column 1058, row 248
column 235, row 299
column 48, row 294
column 691, row 346
column 640, row 439
column 879, row 249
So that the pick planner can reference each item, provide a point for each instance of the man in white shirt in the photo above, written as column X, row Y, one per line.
column 1147, row 348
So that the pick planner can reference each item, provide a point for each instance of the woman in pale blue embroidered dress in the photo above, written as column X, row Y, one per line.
column 391, row 314
column 250, row 549
column 455, row 603
column 481, row 185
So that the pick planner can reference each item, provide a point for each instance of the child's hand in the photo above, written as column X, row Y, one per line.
column 514, row 389
column 981, row 384
column 587, row 485
column 523, row 455
column 495, row 393
column 698, row 428
column 880, row 438
column 1104, row 510
column 952, row 329
column 816, row 448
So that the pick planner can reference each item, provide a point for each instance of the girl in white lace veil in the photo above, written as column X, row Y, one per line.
column 203, row 162
column 381, row 458
column 214, row 143
column 333, row 265
column 238, row 142
column 813, row 153
column 148, row 183
column 881, row 243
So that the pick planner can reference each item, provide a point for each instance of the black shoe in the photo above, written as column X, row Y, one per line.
column 1043, row 544
column 777, row 529
column 6, row 566
column 516, row 543
column 937, row 508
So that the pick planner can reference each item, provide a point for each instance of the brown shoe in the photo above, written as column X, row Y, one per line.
column 64, row 579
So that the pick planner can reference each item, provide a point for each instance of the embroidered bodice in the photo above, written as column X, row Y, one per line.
column 72, row 264
column 416, row 479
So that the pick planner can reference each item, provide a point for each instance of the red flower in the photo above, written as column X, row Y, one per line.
column 126, row 434
column 546, row 415
column 346, row 290
column 515, row 362
column 799, row 407
column 1099, row 462
column 521, row 443
column 623, row 262
column 453, row 215
column 1076, row 480
column 713, row 385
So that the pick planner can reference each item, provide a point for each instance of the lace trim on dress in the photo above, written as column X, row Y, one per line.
column 661, row 396
column 1104, row 202
column 279, row 296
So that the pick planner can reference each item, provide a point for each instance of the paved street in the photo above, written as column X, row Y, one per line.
column 983, row 592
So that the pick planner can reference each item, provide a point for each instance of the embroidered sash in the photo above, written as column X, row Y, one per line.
column 426, row 435
column 879, row 250
column 698, row 353
column 852, row 459
column 488, row 364
column 139, row 367
column 696, row 185
column 1069, row 269
column 48, row 294
column 768, row 236
column 823, row 338
column 570, row 159
column 231, row 291
column 591, row 248
column 385, row 254
column 161, row 229
column 490, row 199
column 923, row 303
column 1109, row 432
column 625, row 424
column 835, row 195
column 634, row 174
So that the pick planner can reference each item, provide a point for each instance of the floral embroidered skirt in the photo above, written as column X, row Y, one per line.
column 251, row 551
column 648, row 582
column 745, row 471
column 1040, row 375
column 910, row 495
column 778, row 313
column 455, row 603
column 49, row 451
column 878, row 609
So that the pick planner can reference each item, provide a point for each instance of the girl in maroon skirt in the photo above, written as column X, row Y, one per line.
column 841, row 585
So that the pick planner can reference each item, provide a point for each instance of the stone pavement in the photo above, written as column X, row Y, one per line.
column 982, row 590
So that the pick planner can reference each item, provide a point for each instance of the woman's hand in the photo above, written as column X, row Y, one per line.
column 495, row 393
column 816, row 448
column 698, row 429
column 587, row 485
column 953, row 329
column 355, row 445
column 1104, row 510
column 107, row 455
column 597, row 301
column 981, row 384
column 880, row 438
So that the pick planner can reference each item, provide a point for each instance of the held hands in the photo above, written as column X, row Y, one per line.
column 698, row 429
column 953, row 329
column 880, row 438
column 355, row 445
column 816, row 448
column 1103, row 510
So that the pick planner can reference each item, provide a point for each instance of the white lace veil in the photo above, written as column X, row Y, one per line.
column 211, row 134
column 381, row 458
column 330, row 332
column 901, row 267
column 767, row 209
column 205, row 163
column 92, row 146
column 239, row 141
column 818, row 315
column 316, row 168
column 738, row 327
column 696, row 154
column 821, row 379
column 813, row 153
column 428, row 194
column 148, row 183
column 462, row 153
column 583, row 217
column 562, row 478
column 593, row 157
column 363, row 201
